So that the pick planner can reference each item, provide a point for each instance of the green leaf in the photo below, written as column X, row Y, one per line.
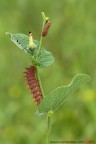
column 46, row 58
column 22, row 41
column 58, row 96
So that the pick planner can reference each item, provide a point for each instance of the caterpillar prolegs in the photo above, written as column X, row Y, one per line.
column 33, row 83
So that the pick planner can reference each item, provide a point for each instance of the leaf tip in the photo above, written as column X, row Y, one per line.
column 87, row 77
column 7, row 33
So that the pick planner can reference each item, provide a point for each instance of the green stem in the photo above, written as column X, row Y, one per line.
column 34, row 61
column 38, row 77
column 39, row 49
column 41, row 38
column 48, row 129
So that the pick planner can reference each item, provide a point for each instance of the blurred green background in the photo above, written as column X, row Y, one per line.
column 72, row 40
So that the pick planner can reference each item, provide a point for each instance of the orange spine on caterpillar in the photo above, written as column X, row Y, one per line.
column 33, row 83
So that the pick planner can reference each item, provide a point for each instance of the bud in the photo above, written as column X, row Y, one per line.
column 31, row 43
column 50, row 113
column 46, row 28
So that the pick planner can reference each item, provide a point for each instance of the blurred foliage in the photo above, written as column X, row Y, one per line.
column 72, row 40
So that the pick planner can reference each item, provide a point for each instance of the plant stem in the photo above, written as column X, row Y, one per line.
column 48, row 129
column 34, row 61
column 41, row 38
column 38, row 77
column 39, row 49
